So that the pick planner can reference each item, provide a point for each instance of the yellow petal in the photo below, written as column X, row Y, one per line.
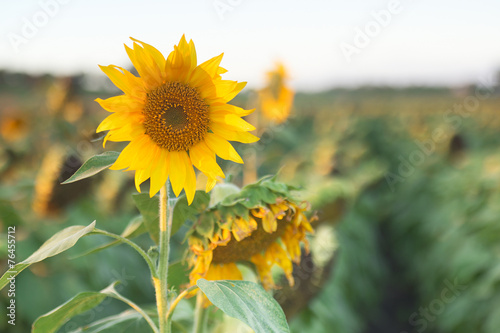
column 231, row 120
column 122, row 103
column 152, row 165
column 126, row 133
column 119, row 119
column 203, row 158
column 205, row 72
column 159, row 174
column 129, row 155
column 142, row 158
column 222, row 148
column 242, row 229
column 232, row 135
column 146, row 66
column 125, row 81
column 232, row 272
column 275, row 253
column 211, row 182
column 264, row 271
column 179, row 64
column 221, row 71
column 228, row 108
column 125, row 158
column 217, row 89
column 177, row 171
column 229, row 95
column 269, row 222
column 140, row 177
column 154, row 53
column 190, row 186
column 192, row 52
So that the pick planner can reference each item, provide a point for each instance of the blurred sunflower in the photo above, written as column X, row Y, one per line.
column 13, row 127
column 247, row 229
column 50, row 196
column 175, row 115
column 276, row 99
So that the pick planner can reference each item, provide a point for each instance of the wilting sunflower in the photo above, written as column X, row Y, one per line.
column 175, row 115
column 261, row 225
column 276, row 99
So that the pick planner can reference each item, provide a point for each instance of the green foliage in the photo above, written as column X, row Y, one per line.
column 149, row 211
column 94, row 165
column 128, row 321
column 58, row 243
column 177, row 275
column 52, row 321
column 264, row 191
column 184, row 213
column 221, row 191
column 248, row 302
column 134, row 229
column 452, row 224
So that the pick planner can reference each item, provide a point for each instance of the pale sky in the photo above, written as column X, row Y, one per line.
column 423, row 42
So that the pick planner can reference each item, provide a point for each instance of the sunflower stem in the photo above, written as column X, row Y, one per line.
column 200, row 314
column 161, row 287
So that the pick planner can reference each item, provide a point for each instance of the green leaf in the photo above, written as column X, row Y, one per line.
column 184, row 212
column 52, row 321
column 178, row 274
column 222, row 191
column 127, row 321
column 265, row 195
column 242, row 211
column 149, row 211
column 280, row 188
column 205, row 226
column 248, row 302
column 133, row 229
column 251, row 196
column 94, row 165
column 56, row 244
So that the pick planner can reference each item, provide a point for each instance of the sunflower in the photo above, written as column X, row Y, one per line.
column 50, row 196
column 175, row 115
column 263, row 232
column 276, row 99
column 13, row 127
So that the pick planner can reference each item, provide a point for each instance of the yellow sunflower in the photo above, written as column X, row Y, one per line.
column 175, row 115
column 267, row 235
column 276, row 99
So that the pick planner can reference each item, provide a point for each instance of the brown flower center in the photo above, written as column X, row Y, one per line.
column 176, row 117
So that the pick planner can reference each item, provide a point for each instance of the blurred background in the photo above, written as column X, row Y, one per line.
column 386, row 113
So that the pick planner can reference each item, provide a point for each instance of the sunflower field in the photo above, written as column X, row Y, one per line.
column 164, row 196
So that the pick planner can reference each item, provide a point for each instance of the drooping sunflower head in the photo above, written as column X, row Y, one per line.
column 262, row 225
column 276, row 99
column 176, row 115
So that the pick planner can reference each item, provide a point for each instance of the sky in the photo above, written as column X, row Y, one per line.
column 324, row 44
